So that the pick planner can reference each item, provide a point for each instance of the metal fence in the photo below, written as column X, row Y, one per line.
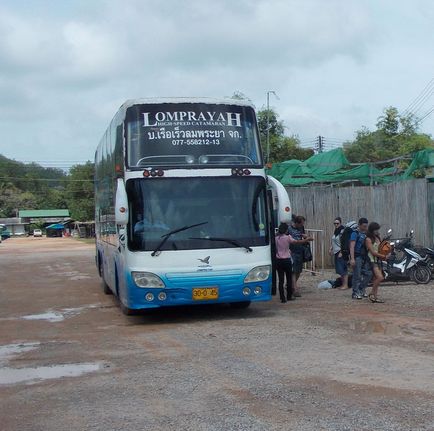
column 318, row 247
column 402, row 206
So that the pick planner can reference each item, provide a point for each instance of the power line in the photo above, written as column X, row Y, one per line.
column 426, row 115
column 421, row 99
column 71, row 162
column 61, row 180
column 422, row 102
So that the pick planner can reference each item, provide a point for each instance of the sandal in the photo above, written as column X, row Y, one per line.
column 372, row 298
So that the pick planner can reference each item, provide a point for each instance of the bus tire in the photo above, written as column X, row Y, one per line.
column 105, row 287
column 240, row 305
column 99, row 264
column 127, row 311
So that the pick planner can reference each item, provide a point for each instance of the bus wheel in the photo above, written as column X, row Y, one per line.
column 105, row 287
column 240, row 305
column 127, row 311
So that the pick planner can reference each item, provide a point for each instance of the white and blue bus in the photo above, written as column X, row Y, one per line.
column 184, row 210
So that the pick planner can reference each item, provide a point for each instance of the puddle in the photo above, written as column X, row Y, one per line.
column 375, row 327
column 76, row 275
column 59, row 316
column 9, row 376
column 30, row 375
column 8, row 351
column 50, row 316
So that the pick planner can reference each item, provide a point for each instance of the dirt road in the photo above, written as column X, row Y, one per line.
column 69, row 360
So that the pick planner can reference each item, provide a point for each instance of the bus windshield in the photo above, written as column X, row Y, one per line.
column 229, row 212
column 191, row 134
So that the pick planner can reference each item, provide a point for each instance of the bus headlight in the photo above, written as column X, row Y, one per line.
column 260, row 273
column 147, row 279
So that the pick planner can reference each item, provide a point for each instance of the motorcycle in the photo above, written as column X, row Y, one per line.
column 426, row 253
column 412, row 266
column 430, row 254
column 404, row 263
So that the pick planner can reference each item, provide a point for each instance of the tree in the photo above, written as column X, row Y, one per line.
column 80, row 192
column 12, row 199
column 288, row 148
column 238, row 95
column 29, row 186
column 396, row 135
column 276, row 127
column 53, row 198
column 389, row 121
column 281, row 147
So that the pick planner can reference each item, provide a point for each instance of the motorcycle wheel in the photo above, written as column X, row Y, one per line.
column 431, row 267
column 420, row 274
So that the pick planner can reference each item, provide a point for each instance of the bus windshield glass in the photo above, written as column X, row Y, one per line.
column 224, row 208
column 192, row 135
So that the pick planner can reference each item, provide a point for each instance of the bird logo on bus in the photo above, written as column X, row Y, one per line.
column 205, row 260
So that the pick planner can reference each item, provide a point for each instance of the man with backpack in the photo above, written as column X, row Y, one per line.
column 358, row 259
column 341, row 264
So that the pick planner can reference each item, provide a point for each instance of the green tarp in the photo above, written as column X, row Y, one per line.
column 422, row 159
column 55, row 226
column 333, row 167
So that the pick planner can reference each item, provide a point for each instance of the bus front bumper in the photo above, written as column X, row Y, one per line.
column 195, row 291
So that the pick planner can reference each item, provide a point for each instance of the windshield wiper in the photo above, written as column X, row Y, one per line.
column 167, row 236
column 228, row 240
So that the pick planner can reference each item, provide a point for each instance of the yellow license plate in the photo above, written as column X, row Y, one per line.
column 205, row 293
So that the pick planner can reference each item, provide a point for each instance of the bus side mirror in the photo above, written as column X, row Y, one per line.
column 283, row 204
column 121, row 204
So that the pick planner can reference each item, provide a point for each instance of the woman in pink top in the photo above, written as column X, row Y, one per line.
column 284, row 262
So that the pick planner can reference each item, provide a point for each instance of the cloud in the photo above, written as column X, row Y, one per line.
column 65, row 67
column 89, row 52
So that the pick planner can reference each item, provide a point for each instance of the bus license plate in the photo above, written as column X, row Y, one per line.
column 205, row 293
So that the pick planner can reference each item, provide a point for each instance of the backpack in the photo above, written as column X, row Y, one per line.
column 345, row 242
column 385, row 247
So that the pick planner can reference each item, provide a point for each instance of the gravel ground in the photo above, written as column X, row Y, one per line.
column 69, row 360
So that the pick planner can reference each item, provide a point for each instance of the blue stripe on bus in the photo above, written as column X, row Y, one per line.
column 179, row 291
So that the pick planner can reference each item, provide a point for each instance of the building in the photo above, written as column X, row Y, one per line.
column 15, row 226
column 44, row 216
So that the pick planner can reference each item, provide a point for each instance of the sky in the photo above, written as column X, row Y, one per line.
column 67, row 65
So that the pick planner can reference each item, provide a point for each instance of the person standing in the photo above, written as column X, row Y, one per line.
column 341, row 265
column 358, row 259
column 297, row 232
column 284, row 261
column 372, row 243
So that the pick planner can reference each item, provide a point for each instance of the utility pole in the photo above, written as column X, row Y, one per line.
column 320, row 144
column 268, row 122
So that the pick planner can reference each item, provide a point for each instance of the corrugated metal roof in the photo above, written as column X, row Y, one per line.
column 44, row 213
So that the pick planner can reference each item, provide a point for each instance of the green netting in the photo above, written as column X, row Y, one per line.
column 333, row 167
column 422, row 159
column 326, row 163
column 279, row 169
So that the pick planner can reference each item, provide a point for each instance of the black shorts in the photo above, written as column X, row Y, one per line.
column 297, row 263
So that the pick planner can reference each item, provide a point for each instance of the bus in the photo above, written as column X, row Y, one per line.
column 184, row 211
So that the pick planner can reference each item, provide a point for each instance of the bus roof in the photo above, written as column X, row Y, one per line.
column 159, row 100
